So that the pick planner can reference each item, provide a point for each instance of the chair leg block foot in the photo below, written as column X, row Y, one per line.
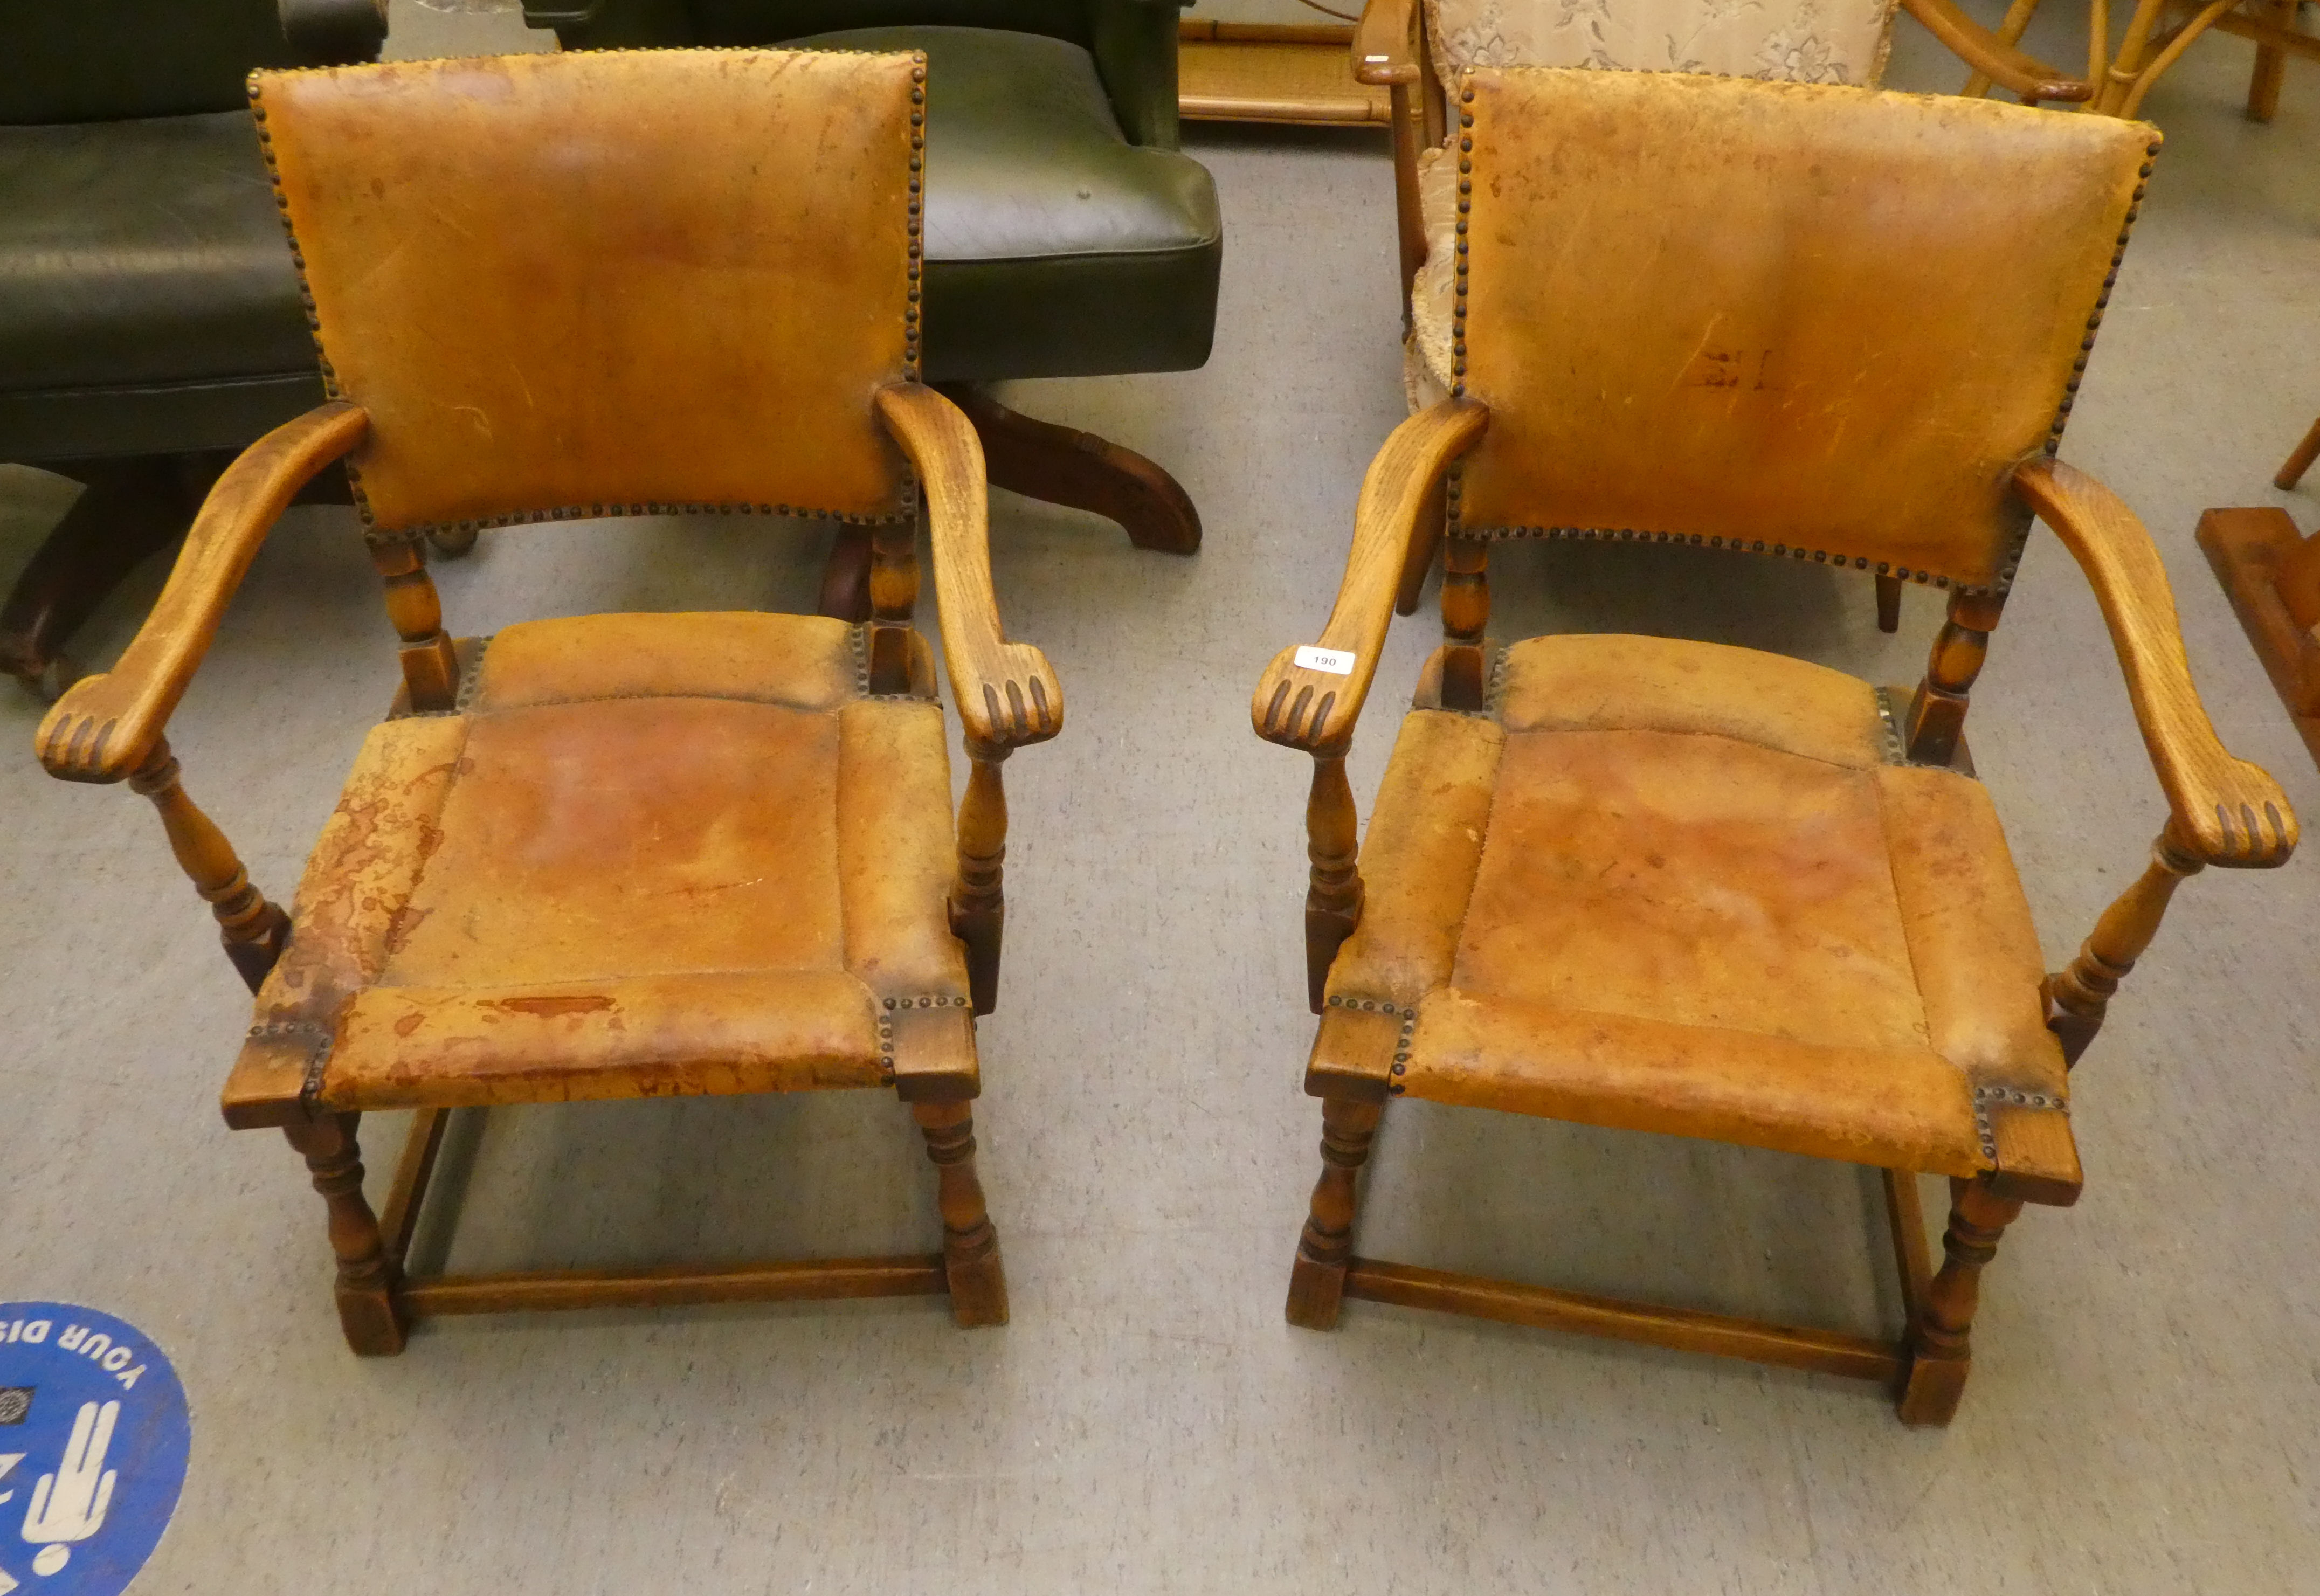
column 373, row 1328
column 978, row 1281
column 1315, row 1292
column 1936, row 1385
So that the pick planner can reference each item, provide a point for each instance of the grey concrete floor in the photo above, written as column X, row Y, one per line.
column 2147, row 1398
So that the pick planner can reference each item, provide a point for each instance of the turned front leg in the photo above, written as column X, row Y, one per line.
column 431, row 670
column 1333, row 900
column 367, row 1272
column 2079, row 997
column 252, row 929
column 978, row 1284
column 1941, row 1340
column 978, row 899
column 1317, row 1282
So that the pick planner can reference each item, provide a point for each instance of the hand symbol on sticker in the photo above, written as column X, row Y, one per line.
column 69, row 1504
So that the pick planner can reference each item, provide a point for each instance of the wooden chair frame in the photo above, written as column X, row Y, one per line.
column 110, row 728
column 2222, row 812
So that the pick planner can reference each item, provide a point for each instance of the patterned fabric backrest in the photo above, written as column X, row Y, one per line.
column 1795, row 40
column 1817, row 323
column 609, row 282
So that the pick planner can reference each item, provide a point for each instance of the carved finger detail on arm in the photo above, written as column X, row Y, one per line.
column 1007, row 693
column 2226, row 812
column 107, row 725
column 1310, row 697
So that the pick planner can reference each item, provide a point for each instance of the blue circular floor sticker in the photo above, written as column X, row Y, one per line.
column 93, row 1442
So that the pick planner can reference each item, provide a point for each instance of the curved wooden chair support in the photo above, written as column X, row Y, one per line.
column 1007, row 694
column 2223, row 812
column 109, row 728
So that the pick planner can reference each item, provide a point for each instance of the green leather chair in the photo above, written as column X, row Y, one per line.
column 1065, row 235
column 150, row 320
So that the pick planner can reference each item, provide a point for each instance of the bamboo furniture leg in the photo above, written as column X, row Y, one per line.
column 2009, row 31
column 367, row 1271
column 2299, row 463
column 1060, row 466
column 2271, row 574
column 971, row 1264
column 1941, row 1349
column 2271, row 64
column 1317, row 1283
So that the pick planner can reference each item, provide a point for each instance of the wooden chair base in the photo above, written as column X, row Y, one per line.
column 1925, row 1368
column 128, row 510
column 378, row 1302
column 2248, row 549
column 1040, row 460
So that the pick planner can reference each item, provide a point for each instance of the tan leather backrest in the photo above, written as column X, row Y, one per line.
column 1816, row 322
column 598, row 282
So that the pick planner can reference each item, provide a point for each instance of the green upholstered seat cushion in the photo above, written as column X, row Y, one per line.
column 1054, row 247
column 142, row 255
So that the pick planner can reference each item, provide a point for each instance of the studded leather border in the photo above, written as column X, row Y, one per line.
column 2012, row 560
column 375, row 534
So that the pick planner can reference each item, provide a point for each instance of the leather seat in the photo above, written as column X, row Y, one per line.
column 1043, row 219
column 1683, row 887
column 651, row 855
column 147, row 300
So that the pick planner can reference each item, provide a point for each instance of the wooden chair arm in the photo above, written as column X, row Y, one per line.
column 1400, row 481
column 1385, row 42
column 2001, row 62
column 2226, row 812
column 1007, row 694
column 106, row 726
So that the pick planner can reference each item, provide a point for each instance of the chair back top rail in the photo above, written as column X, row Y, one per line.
column 1812, row 321
column 716, row 270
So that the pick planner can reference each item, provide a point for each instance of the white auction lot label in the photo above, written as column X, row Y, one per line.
column 94, row 1436
column 1336, row 661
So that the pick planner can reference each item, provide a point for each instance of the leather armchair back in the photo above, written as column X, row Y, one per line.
column 1133, row 42
column 1821, row 322
column 718, row 269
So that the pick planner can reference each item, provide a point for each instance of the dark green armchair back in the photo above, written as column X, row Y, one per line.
column 114, row 60
column 1133, row 42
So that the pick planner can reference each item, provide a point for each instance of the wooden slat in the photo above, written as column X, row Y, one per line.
column 2293, row 40
column 399, row 1220
column 1906, row 1215
column 1232, row 75
column 807, row 1279
column 1829, row 1352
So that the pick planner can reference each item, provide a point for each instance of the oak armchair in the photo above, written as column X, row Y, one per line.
column 616, row 855
column 1673, row 886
